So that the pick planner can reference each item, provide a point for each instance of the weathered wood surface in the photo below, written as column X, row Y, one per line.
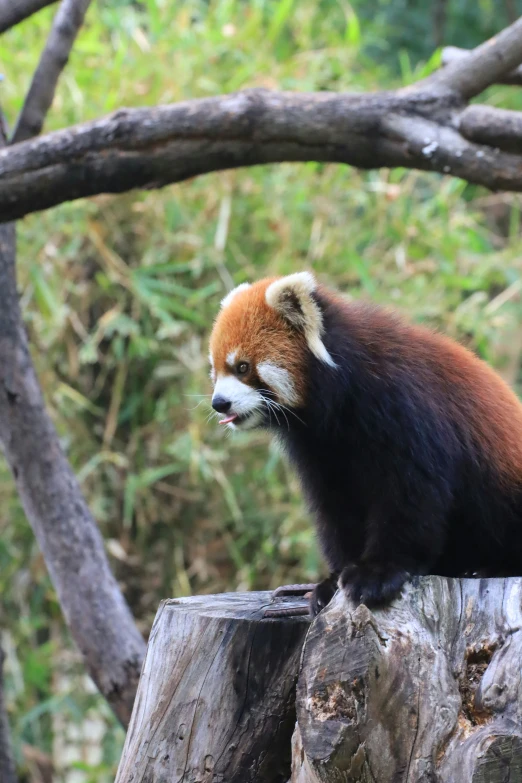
column 216, row 699
column 428, row 690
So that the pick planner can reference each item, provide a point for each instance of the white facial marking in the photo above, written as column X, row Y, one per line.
column 212, row 371
column 232, row 294
column 280, row 381
column 232, row 357
column 245, row 400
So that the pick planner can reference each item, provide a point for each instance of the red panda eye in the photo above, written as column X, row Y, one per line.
column 242, row 368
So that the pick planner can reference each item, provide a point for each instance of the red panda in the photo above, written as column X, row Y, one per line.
column 408, row 447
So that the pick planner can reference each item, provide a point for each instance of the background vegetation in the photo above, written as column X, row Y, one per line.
column 119, row 296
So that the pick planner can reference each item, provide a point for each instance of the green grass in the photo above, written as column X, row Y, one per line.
column 119, row 296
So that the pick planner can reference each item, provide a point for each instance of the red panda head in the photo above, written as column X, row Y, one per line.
column 259, row 346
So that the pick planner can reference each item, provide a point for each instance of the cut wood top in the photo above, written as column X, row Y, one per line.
column 239, row 606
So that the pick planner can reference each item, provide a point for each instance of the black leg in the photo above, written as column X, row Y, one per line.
column 372, row 584
column 398, row 543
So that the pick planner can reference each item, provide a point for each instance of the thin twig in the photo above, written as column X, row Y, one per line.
column 7, row 765
column 484, row 65
column 511, row 10
column 14, row 11
column 67, row 22
column 451, row 54
column 440, row 12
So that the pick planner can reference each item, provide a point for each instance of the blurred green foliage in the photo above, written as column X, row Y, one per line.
column 119, row 296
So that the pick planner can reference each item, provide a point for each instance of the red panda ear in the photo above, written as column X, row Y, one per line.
column 292, row 297
column 232, row 294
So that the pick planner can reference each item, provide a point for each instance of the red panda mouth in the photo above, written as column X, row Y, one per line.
column 229, row 419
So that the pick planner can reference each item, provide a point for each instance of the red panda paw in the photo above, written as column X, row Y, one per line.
column 322, row 594
column 372, row 584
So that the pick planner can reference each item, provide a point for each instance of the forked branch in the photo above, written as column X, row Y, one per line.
column 425, row 126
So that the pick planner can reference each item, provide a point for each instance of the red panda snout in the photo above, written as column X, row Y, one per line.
column 241, row 404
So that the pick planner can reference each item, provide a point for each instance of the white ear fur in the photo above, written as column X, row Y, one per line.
column 232, row 294
column 291, row 297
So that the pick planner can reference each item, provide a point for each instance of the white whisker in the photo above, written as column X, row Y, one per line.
column 270, row 406
column 280, row 405
column 196, row 406
column 292, row 412
column 284, row 414
column 269, row 411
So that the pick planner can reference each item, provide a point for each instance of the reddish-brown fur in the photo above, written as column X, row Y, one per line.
column 477, row 395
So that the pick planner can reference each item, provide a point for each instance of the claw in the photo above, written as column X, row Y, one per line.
column 287, row 611
column 290, row 608
column 285, row 590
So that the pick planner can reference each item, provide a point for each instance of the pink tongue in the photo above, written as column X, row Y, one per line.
column 229, row 419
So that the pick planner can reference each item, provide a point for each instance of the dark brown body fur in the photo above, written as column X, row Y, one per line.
column 410, row 455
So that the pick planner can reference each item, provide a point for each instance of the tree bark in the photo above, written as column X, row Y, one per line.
column 216, row 700
column 66, row 25
column 14, row 11
column 426, row 690
column 94, row 608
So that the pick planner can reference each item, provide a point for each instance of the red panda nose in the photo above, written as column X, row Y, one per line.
column 221, row 405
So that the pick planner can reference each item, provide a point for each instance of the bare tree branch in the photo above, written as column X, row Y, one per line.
column 67, row 22
column 150, row 148
column 452, row 53
column 14, row 11
column 484, row 65
column 7, row 765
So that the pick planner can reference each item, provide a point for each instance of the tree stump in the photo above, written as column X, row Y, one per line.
column 216, row 699
column 427, row 690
